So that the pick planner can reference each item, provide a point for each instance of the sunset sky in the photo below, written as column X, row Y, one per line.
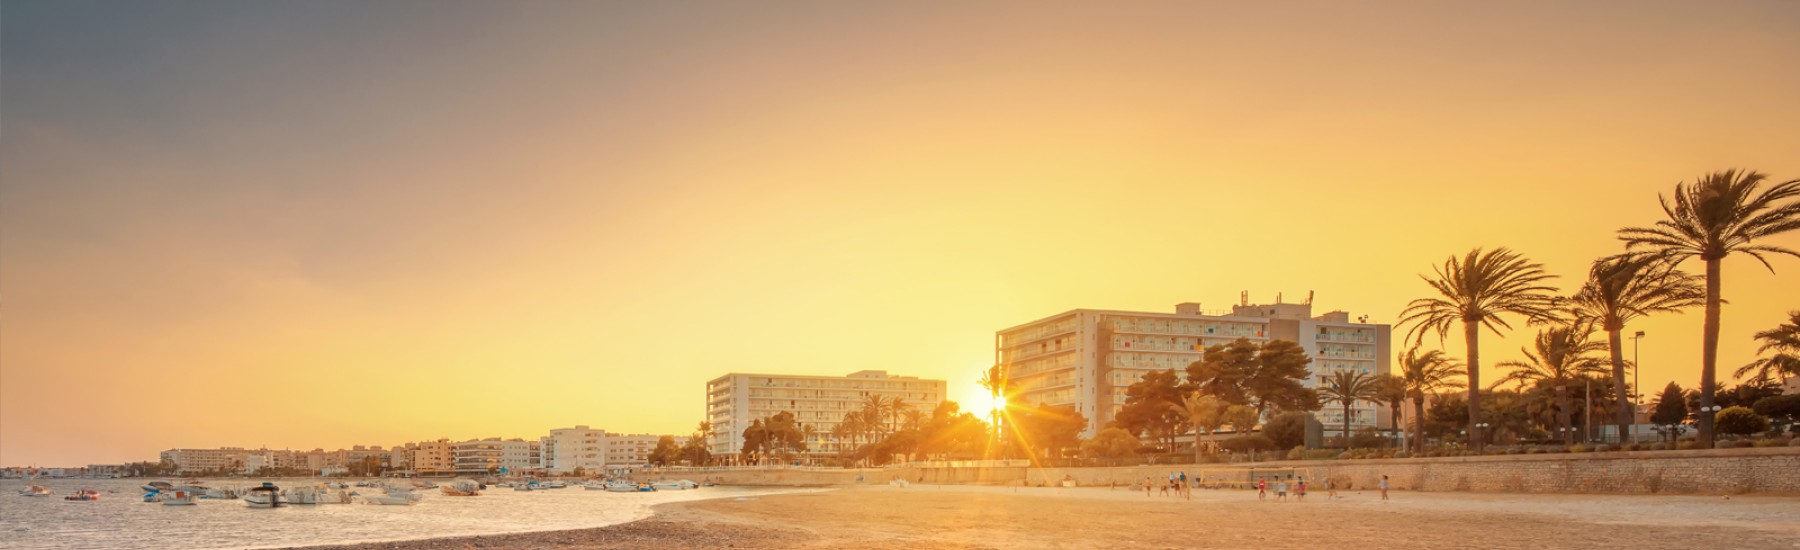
column 318, row 224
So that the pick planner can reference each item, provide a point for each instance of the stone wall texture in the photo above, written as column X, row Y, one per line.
column 1772, row 470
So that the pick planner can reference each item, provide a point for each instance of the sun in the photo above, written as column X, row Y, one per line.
column 979, row 402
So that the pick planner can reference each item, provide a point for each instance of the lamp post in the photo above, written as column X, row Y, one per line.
column 1637, row 404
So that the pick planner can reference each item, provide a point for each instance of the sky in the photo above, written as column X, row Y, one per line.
column 318, row 224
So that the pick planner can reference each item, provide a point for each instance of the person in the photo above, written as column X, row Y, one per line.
column 1185, row 492
column 1262, row 488
column 1165, row 487
column 1146, row 485
column 1384, row 487
column 1281, row 490
column 1330, row 490
column 1300, row 490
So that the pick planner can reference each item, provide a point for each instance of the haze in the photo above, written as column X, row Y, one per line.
column 330, row 223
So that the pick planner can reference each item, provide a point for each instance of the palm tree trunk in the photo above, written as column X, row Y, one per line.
column 1709, row 352
column 1472, row 337
column 1196, row 444
column 1623, row 396
column 1566, row 414
column 1419, row 423
column 1347, row 424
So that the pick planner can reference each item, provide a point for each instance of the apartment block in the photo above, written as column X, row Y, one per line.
column 735, row 400
column 1088, row 358
column 568, row 449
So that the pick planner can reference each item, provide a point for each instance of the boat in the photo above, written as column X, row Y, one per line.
column 395, row 496
column 462, row 488
column 177, row 497
column 529, row 486
column 628, row 487
column 265, row 496
column 677, row 485
column 227, row 493
column 594, row 486
column 35, row 490
column 84, row 494
column 305, row 495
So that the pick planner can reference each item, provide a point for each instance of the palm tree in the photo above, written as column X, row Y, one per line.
column 1720, row 214
column 896, row 407
column 1348, row 387
column 1784, row 340
column 1391, row 390
column 851, row 427
column 1474, row 291
column 995, row 381
column 1622, row 288
column 914, row 419
column 874, row 409
column 1425, row 374
column 1562, row 355
column 1206, row 413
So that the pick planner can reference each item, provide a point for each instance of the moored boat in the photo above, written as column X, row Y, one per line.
column 178, row 497
column 265, row 496
column 84, row 494
column 35, row 490
column 462, row 488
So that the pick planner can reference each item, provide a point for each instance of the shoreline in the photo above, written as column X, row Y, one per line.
column 881, row 517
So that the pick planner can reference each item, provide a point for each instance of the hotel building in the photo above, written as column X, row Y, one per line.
column 630, row 451
column 1088, row 357
column 227, row 459
column 494, row 455
column 734, row 400
column 567, row 449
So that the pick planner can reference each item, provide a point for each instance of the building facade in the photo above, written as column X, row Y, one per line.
column 567, row 449
column 735, row 400
column 227, row 459
column 626, row 452
column 1088, row 358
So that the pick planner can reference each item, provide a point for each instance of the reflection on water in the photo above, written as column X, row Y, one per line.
column 122, row 520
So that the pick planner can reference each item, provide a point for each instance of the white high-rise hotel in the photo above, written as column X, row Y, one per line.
column 1089, row 357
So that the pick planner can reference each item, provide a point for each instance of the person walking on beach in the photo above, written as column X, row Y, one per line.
column 1185, row 490
column 1330, row 490
column 1384, row 487
column 1262, row 488
column 1300, row 490
column 1146, row 486
column 1281, row 491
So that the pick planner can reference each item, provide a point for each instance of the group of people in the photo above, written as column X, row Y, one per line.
column 1177, row 485
column 1281, row 489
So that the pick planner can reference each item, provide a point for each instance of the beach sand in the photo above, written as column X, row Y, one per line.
column 1004, row 518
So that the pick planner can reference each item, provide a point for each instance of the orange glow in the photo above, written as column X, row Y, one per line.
column 552, row 225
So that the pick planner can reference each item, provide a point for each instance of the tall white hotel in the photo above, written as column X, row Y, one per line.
column 1089, row 357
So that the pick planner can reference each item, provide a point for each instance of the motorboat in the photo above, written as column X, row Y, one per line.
column 35, row 490
column 177, row 497
column 226, row 493
column 593, row 486
column 305, row 495
column 266, row 495
column 628, row 487
column 395, row 496
column 84, row 494
column 676, row 485
column 462, row 488
column 529, row 486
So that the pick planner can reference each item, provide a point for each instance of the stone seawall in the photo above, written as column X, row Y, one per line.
column 1773, row 470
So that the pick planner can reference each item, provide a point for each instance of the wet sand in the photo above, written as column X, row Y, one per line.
column 1006, row 518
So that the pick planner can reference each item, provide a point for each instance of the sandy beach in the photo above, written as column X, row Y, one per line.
column 1003, row 517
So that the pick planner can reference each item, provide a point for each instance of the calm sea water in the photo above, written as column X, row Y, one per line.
column 122, row 520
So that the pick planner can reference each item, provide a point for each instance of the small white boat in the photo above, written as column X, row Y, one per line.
column 265, row 496
column 677, row 485
column 593, row 486
column 628, row 487
column 84, row 494
column 395, row 496
column 34, row 490
column 462, row 488
column 178, row 497
column 304, row 495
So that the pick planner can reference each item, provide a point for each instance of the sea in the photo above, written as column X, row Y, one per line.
column 120, row 519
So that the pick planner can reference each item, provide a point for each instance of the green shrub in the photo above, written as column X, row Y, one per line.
column 1771, row 443
column 1536, row 451
column 1631, row 447
column 1320, row 454
column 1247, row 443
column 1688, row 445
column 1740, row 421
column 1297, row 453
column 1578, row 448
